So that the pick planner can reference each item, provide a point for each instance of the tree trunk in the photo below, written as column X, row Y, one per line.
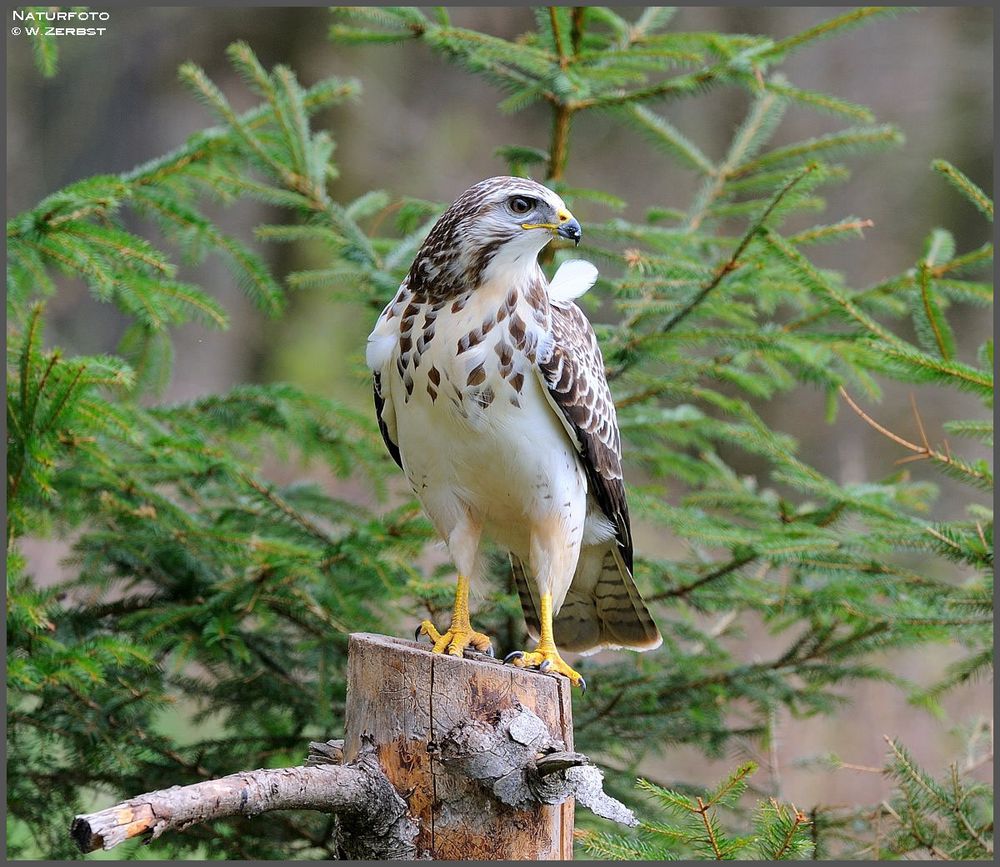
column 403, row 701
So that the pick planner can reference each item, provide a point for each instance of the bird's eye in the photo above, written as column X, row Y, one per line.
column 521, row 204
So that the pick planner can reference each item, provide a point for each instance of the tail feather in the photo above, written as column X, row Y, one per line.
column 602, row 608
column 624, row 617
column 528, row 594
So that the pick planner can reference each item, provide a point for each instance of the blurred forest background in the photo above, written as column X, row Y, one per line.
column 425, row 129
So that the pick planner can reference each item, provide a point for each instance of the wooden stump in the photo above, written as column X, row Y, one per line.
column 403, row 699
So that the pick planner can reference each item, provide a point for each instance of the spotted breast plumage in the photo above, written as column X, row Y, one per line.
column 491, row 396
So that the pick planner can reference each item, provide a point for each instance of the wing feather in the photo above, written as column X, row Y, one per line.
column 572, row 372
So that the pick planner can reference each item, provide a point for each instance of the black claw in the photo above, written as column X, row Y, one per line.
column 583, row 686
column 489, row 651
column 416, row 634
column 546, row 665
column 516, row 654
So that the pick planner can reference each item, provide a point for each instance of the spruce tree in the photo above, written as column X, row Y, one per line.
column 196, row 582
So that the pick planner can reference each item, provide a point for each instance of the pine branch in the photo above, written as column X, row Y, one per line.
column 846, row 141
column 972, row 192
column 733, row 262
column 709, row 829
column 828, row 28
column 923, row 451
column 939, row 327
column 815, row 281
column 727, row 267
column 794, row 828
column 903, row 767
column 558, row 37
column 725, row 569
column 559, row 146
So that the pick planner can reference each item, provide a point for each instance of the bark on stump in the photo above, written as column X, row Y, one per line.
column 404, row 700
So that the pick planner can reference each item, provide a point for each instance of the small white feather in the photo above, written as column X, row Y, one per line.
column 381, row 342
column 378, row 351
column 572, row 280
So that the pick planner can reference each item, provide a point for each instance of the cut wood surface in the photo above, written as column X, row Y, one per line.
column 407, row 700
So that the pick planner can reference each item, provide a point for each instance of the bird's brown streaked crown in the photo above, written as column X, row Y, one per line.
column 463, row 242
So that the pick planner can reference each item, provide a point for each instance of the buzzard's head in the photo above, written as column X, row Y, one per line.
column 496, row 227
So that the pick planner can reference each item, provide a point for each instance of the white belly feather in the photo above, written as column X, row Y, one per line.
column 503, row 461
column 513, row 467
column 486, row 450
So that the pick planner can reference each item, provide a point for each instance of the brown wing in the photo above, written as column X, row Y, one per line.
column 574, row 375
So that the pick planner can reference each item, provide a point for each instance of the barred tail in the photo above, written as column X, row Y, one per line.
column 602, row 609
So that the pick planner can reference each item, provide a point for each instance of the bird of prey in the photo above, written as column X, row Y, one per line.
column 491, row 396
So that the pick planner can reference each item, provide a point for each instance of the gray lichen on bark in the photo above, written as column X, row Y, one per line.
column 515, row 757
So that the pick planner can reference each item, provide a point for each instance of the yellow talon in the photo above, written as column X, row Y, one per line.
column 545, row 657
column 455, row 640
column 546, row 661
column 460, row 634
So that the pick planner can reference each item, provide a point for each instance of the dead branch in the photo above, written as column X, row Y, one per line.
column 920, row 452
column 375, row 818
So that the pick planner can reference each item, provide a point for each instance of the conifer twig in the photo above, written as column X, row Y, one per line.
column 826, row 28
column 921, row 452
column 685, row 589
column 576, row 30
column 799, row 819
column 285, row 508
column 559, row 147
column 733, row 262
column 720, row 175
column 914, row 774
column 930, row 311
column 972, row 192
column 702, row 810
column 557, row 37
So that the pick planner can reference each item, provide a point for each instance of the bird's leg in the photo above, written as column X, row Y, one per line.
column 460, row 634
column 545, row 657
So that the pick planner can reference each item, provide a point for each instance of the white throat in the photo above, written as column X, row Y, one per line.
column 515, row 262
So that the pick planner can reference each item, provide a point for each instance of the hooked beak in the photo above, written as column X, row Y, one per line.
column 570, row 229
column 567, row 227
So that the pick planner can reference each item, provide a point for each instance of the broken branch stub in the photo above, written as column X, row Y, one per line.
column 515, row 757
